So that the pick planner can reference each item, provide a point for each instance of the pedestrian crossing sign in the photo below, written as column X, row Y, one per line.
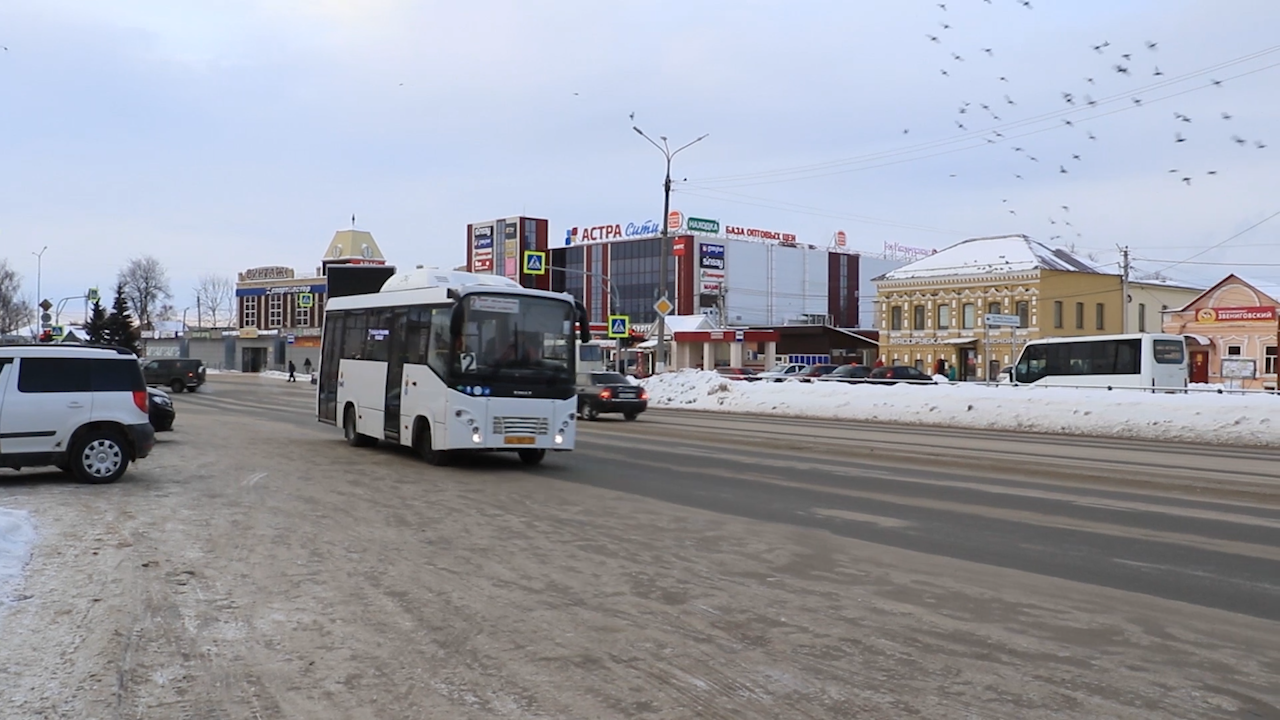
column 535, row 262
column 306, row 300
column 619, row 326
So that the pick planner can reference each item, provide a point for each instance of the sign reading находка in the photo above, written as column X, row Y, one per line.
column 1236, row 314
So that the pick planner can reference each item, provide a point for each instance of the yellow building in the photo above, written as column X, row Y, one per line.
column 934, row 308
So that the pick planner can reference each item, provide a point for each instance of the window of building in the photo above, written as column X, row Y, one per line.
column 1235, row 350
column 275, row 311
column 944, row 317
column 1024, row 313
column 994, row 308
column 1142, row 317
column 302, row 317
column 1057, row 314
column 895, row 317
column 250, row 311
column 1080, row 316
column 969, row 316
column 1100, row 311
column 917, row 317
column 1269, row 361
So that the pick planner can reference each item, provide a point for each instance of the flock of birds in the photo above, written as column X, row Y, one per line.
column 1128, row 64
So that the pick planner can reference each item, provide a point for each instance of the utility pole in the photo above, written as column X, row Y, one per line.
column 660, row 363
column 39, row 272
column 1124, row 289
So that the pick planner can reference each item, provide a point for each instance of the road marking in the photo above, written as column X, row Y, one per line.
column 880, row 520
column 253, row 479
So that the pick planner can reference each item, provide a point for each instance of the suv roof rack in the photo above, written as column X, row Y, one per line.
column 70, row 346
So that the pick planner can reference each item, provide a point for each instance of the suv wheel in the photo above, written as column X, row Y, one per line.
column 99, row 456
column 177, row 386
column 590, row 412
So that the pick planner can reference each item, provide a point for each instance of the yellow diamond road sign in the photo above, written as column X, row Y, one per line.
column 663, row 306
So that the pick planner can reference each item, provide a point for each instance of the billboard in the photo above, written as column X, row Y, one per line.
column 711, row 268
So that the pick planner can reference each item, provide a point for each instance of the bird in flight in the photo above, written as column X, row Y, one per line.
column 1090, row 81
column 943, row 6
column 1066, row 209
column 1212, row 172
column 1090, row 101
column 944, row 72
column 1017, row 176
column 1238, row 140
column 1157, row 72
column 961, row 125
column 633, row 116
column 933, row 38
column 945, row 26
column 906, row 130
column 1180, row 116
column 1009, row 100
column 1033, row 158
column 1069, row 123
column 1226, row 116
column 1186, row 180
column 1004, row 79
column 957, row 57
column 1098, row 48
column 1127, row 56
column 1014, row 212
column 1177, row 137
column 989, row 52
column 1121, row 69
column 1017, row 149
column 1091, row 136
column 1216, row 82
column 1174, row 170
column 1152, row 45
column 1259, row 144
column 1075, row 157
column 1062, row 169
column 1137, row 101
column 1071, row 99
column 999, row 135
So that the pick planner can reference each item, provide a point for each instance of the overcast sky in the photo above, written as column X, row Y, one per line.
column 224, row 135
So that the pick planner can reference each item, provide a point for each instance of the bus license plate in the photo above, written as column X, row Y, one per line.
column 518, row 440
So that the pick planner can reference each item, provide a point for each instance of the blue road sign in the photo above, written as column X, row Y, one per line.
column 619, row 326
column 535, row 262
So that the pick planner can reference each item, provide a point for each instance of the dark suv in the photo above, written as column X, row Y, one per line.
column 177, row 374
column 609, row 392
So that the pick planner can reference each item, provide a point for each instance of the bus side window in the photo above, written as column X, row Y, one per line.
column 438, row 350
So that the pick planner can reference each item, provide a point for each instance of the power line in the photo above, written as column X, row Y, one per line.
column 1218, row 245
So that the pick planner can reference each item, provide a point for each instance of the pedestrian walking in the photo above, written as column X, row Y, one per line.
column 292, row 369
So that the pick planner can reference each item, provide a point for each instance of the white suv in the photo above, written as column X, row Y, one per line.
column 80, row 408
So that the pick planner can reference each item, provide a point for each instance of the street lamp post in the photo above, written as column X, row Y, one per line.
column 668, row 153
column 39, row 272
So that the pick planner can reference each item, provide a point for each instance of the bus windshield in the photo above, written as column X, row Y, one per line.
column 514, row 338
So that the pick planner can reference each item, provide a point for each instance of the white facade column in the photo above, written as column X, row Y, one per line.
column 771, row 353
column 735, row 355
column 708, row 355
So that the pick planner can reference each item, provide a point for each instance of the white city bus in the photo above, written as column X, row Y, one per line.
column 1146, row 360
column 445, row 361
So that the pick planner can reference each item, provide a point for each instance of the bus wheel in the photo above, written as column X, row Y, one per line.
column 354, row 439
column 422, row 444
column 532, row 457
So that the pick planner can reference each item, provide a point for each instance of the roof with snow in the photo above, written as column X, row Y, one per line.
column 683, row 323
column 1263, row 293
column 989, row 256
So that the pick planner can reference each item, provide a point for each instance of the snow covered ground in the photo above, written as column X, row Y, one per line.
column 1192, row 417
column 17, row 535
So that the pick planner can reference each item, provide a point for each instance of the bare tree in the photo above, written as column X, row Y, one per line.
column 15, row 311
column 215, row 295
column 146, row 287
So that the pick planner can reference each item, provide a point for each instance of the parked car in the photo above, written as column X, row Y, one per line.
column 610, row 392
column 80, row 408
column 738, row 373
column 177, row 374
column 160, row 410
column 848, row 373
column 817, row 371
column 893, row 374
column 785, row 371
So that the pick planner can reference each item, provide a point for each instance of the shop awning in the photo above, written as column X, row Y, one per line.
column 648, row 344
column 1199, row 339
column 961, row 341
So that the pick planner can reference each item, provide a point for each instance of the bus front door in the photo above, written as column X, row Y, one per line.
column 396, row 355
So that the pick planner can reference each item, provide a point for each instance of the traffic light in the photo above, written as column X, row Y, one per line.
column 46, row 336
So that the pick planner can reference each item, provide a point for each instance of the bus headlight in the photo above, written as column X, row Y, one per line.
column 559, row 439
column 476, row 437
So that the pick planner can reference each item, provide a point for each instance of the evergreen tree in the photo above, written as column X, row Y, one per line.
column 96, row 327
column 119, row 329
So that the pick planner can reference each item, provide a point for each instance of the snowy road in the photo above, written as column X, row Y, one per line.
column 688, row 565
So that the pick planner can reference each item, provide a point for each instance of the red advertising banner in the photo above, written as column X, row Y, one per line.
column 1236, row 314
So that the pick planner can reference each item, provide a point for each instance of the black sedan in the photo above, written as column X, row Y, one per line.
column 610, row 392
column 160, row 410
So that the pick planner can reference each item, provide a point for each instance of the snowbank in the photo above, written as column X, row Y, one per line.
column 17, row 535
column 1192, row 417
column 278, row 375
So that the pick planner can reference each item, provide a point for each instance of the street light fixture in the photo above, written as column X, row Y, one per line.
column 661, row 361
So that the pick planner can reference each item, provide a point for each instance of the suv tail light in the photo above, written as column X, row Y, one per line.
column 141, row 399
column 605, row 394
column 644, row 394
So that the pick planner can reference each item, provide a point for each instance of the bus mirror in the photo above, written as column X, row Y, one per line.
column 584, row 327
